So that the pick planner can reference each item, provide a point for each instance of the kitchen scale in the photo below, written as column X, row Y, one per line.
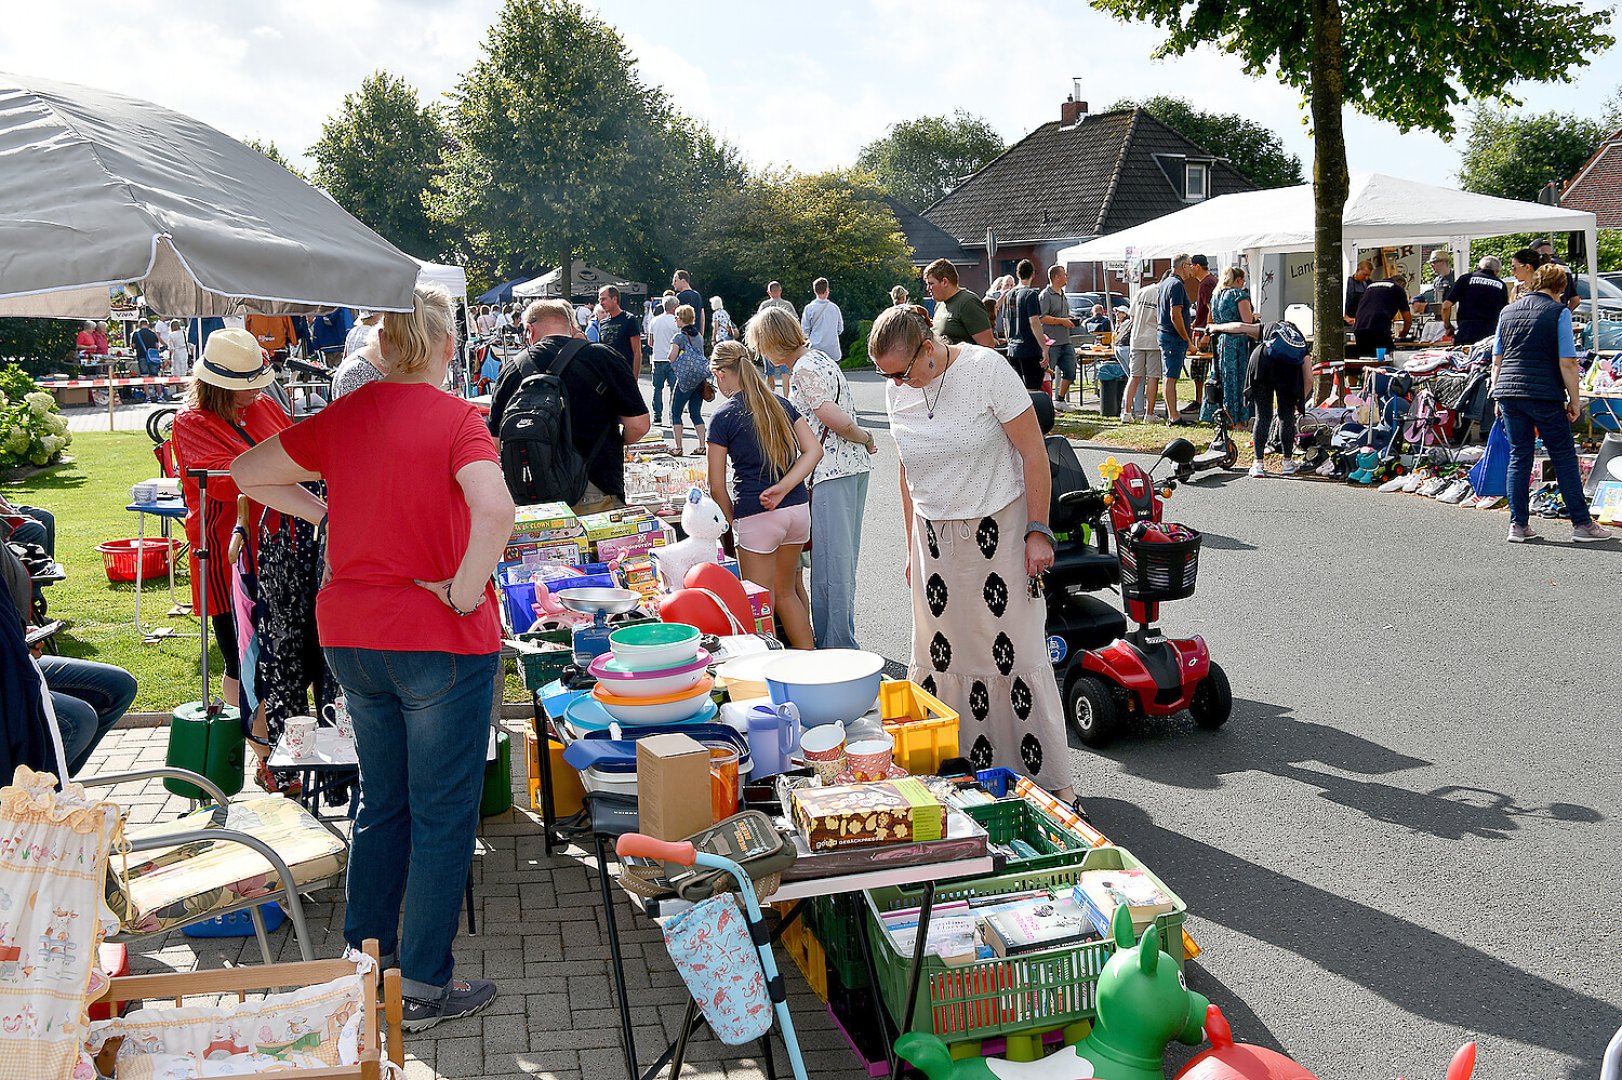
column 591, row 640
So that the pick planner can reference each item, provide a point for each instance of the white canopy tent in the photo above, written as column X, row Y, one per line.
column 1381, row 210
column 451, row 278
column 583, row 281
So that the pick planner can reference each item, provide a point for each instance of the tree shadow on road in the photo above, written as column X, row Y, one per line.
column 1420, row 971
column 1266, row 738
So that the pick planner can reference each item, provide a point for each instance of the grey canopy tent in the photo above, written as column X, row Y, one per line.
column 584, row 281
column 98, row 190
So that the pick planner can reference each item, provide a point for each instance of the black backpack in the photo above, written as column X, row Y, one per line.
column 539, row 459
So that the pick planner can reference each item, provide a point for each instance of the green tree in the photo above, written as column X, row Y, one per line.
column 376, row 157
column 795, row 228
column 918, row 161
column 1255, row 151
column 39, row 345
column 561, row 150
column 1409, row 62
column 1512, row 155
column 268, row 148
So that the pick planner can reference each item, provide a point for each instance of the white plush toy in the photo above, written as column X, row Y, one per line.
column 704, row 524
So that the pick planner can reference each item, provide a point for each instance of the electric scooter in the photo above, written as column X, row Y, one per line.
column 1223, row 453
column 1106, row 672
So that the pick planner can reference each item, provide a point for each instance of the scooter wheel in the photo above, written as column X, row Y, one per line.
column 1230, row 456
column 1212, row 703
column 1092, row 710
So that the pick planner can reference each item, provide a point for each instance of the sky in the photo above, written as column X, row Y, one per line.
column 803, row 86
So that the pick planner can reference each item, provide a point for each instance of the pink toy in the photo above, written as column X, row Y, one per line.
column 551, row 615
column 1228, row 1060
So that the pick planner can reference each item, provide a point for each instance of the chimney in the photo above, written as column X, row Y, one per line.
column 1073, row 111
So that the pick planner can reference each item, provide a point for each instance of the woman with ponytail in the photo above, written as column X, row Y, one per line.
column 772, row 452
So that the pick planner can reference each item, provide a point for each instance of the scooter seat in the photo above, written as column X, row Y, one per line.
column 1078, row 566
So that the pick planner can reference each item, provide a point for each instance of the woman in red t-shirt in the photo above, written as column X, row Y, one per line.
column 419, row 517
column 225, row 414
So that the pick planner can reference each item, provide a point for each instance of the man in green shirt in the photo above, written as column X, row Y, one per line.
column 959, row 314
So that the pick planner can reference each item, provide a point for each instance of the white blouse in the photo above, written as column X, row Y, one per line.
column 960, row 463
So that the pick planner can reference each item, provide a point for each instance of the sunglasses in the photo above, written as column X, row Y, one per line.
column 900, row 377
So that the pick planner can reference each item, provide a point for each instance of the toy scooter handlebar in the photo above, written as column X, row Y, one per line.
column 681, row 853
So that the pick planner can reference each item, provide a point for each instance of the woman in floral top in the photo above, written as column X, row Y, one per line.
column 818, row 389
column 721, row 323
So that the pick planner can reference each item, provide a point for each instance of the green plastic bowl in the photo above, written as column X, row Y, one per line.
column 653, row 646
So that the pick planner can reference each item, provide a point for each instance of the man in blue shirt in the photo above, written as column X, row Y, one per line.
column 1470, row 309
column 1175, row 333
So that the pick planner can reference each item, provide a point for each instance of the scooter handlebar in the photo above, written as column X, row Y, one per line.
column 681, row 853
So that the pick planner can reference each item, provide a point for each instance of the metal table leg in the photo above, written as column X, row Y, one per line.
column 628, row 1042
column 543, row 736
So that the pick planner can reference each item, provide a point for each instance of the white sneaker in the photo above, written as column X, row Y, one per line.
column 1126, row 418
column 1491, row 502
column 1258, row 469
column 1411, row 482
column 1435, row 486
column 1394, row 484
column 1470, row 500
column 1591, row 533
column 1455, row 492
column 1290, row 467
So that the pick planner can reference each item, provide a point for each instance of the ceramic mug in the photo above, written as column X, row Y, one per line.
column 298, row 736
column 823, row 748
column 870, row 759
column 338, row 712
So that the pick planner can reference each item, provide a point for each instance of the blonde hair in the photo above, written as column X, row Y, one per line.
column 773, row 430
column 774, row 334
column 1550, row 277
column 1231, row 276
column 900, row 329
column 555, row 310
column 898, row 295
column 410, row 339
column 686, row 316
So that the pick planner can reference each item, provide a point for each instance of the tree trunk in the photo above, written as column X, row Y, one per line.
column 1330, row 182
column 566, row 268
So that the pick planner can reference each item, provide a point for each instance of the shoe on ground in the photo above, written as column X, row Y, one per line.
column 1435, row 486
column 1290, row 468
column 1257, row 468
column 1411, row 482
column 1491, row 502
column 1455, row 492
column 1591, row 533
column 1520, row 534
column 466, row 997
column 1470, row 501
column 1393, row 484
column 1127, row 418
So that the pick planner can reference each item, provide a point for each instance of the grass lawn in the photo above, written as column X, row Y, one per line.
column 1151, row 438
column 88, row 496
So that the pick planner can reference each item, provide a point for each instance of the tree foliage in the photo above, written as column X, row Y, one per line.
column 918, row 161
column 377, row 156
column 268, row 148
column 1409, row 62
column 562, row 151
column 39, row 345
column 1255, row 151
column 794, row 228
column 1512, row 155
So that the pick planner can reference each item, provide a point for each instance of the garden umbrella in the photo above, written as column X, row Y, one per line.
column 98, row 190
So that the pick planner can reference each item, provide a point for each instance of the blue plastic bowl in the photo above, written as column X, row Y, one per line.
column 827, row 685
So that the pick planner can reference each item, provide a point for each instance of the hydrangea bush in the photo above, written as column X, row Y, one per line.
column 32, row 430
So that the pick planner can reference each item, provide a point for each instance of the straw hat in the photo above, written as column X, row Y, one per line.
column 233, row 359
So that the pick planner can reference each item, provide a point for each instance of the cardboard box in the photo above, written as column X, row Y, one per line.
column 627, row 521
column 672, row 786
column 731, row 567
column 890, row 812
column 766, row 625
column 760, row 600
column 569, row 552
column 641, row 543
column 545, row 518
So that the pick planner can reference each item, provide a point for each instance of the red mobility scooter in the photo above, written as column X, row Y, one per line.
column 1105, row 672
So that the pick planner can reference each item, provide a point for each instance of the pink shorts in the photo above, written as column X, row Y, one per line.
column 762, row 534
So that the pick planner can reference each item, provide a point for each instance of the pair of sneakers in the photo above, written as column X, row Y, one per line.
column 1590, row 532
column 1289, row 468
column 1407, row 483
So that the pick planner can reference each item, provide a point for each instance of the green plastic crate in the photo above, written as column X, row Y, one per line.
column 1031, row 992
column 1007, row 820
column 540, row 657
column 833, row 919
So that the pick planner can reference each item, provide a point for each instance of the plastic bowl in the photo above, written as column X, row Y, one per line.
column 669, row 709
column 654, row 646
column 586, row 714
column 648, row 684
column 828, row 685
column 742, row 677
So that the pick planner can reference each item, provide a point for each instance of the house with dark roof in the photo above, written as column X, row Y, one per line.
column 929, row 241
column 1597, row 187
column 1073, row 179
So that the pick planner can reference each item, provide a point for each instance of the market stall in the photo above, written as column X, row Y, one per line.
column 584, row 281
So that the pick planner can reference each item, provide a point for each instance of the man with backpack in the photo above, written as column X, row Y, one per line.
column 563, row 412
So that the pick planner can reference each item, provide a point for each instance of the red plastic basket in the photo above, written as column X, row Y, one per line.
column 153, row 552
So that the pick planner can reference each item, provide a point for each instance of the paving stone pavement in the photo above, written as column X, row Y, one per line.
column 542, row 937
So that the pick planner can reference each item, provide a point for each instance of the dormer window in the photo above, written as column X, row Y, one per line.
column 1196, row 182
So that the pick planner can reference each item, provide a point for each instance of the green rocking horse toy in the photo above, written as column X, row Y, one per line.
column 1143, row 1004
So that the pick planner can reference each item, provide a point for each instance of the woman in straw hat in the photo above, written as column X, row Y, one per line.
column 225, row 413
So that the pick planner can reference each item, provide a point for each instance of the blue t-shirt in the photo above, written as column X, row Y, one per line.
column 752, row 472
column 1172, row 295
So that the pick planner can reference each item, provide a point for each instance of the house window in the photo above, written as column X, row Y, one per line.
column 1196, row 182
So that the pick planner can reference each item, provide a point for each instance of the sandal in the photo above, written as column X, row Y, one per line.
column 278, row 781
column 700, row 452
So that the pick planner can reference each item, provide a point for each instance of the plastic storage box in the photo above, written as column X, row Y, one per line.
column 924, row 729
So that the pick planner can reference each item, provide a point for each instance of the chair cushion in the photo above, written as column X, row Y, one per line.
column 169, row 887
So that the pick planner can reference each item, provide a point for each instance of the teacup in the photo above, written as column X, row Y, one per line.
column 870, row 759
column 338, row 713
column 298, row 736
column 824, row 750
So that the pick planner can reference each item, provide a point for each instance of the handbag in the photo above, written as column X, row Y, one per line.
column 707, row 391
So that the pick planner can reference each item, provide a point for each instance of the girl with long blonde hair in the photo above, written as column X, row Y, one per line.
column 772, row 452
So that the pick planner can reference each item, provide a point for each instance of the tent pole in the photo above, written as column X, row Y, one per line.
column 1591, row 235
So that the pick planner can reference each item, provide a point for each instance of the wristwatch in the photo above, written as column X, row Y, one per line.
column 1041, row 527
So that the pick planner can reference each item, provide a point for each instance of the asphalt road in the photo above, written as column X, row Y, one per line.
column 1402, row 839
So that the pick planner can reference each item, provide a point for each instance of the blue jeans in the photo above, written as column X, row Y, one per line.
column 422, row 724
column 41, row 530
column 836, row 545
column 1524, row 420
column 662, row 374
column 89, row 698
column 690, row 400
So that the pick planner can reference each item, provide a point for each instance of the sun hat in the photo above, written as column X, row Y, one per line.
column 233, row 359
column 1440, row 257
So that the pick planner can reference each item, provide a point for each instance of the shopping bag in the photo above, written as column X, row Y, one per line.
column 711, row 949
column 1490, row 476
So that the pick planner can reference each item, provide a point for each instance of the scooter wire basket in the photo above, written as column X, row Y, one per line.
column 1156, row 571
